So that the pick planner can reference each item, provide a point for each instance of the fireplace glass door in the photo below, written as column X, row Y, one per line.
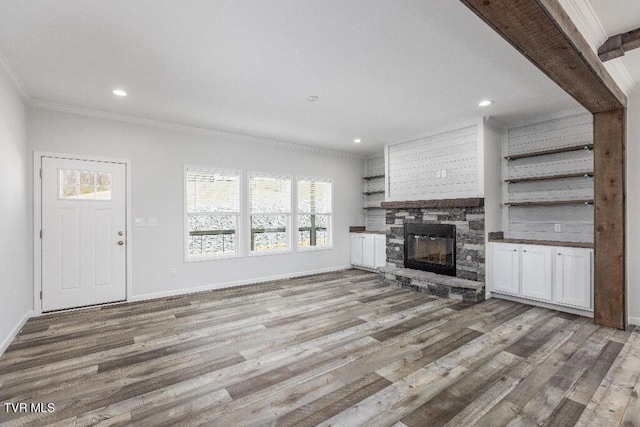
column 430, row 247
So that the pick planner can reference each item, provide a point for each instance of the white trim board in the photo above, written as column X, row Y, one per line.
column 14, row 332
column 214, row 286
column 633, row 321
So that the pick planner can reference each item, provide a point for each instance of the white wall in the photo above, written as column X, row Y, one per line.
column 443, row 165
column 15, row 226
column 633, row 209
column 158, row 157
column 565, row 129
column 491, row 144
column 375, row 218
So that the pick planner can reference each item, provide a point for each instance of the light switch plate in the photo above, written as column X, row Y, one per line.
column 139, row 222
column 152, row 222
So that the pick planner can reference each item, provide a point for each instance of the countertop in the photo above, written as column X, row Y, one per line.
column 543, row 243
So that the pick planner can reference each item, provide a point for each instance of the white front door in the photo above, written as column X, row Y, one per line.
column 83, row 233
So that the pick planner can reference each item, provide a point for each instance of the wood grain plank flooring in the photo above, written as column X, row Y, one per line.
column 334, row 349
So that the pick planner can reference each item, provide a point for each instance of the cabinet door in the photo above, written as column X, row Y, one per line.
column 572, row 277
column 535, row 273
column 368, row 250
column 356, row 248
column 505, row 268
column 380, row 250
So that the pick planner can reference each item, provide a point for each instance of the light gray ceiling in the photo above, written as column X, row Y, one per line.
column 384, row 71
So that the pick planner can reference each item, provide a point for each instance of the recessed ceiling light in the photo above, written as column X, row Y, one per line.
column 485, row 103
column 312, row 98
column 119, row 92
column 357, row 140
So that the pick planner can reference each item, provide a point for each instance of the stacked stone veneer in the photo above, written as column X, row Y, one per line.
column 470, row 240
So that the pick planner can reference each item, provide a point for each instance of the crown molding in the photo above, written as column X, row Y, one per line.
column 6, row 69
column 584, row 17
column 621, row 75
column 187, row 129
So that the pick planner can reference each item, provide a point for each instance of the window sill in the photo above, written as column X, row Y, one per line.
column 212, row 258
column 279, row 252
column 314, row 248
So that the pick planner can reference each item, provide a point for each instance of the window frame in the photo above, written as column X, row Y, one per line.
column 329, row 246
column 289, row 215
column 239, row 214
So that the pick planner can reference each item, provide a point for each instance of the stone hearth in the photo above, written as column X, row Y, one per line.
column 433, row 284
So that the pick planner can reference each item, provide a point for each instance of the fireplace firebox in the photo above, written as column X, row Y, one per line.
column 430, row 247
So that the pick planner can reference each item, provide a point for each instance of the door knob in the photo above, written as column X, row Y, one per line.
column 120, row 242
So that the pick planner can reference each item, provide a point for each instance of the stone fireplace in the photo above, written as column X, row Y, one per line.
column 464, row 274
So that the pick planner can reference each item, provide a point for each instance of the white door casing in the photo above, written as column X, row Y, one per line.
column 84, row 250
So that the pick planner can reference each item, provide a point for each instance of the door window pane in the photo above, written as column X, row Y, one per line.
column 84, row 185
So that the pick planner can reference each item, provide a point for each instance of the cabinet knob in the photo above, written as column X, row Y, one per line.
column 524, row 250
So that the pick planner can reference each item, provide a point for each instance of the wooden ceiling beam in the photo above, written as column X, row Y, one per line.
column 617, row 45
column 543, row 32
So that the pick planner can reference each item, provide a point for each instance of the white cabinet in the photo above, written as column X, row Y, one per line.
column 571, row 274
column 505, row 268
column 536, row 270
column 368, row 250
column 380, row 243
column 557, row 275
column 357, row 244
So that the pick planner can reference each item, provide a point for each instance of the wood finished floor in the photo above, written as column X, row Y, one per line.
column 332, row 349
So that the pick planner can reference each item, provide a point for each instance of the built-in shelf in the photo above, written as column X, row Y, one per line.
column 373, row 177
column 368, row 193
column 550, row 177
column 553, row 151
column 552, row 203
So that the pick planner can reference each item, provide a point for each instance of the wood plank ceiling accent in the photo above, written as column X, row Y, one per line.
column 617, row 45
column 543, row 32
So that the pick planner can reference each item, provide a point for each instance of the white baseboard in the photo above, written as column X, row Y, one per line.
column 184, row 291
column 579, row 312
column 15, row 331
column 633, row 321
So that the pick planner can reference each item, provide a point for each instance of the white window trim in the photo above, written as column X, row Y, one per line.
column 239, row 231
column 290, row 225
column 314, row 248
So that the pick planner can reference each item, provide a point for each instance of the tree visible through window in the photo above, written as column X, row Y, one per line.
column 269, row 213
column 314, row 212
column 213, row 208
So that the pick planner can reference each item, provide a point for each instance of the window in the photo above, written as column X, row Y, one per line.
column 314, row 212
column 269, row 213
column 213, row 209
column 84, row 185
